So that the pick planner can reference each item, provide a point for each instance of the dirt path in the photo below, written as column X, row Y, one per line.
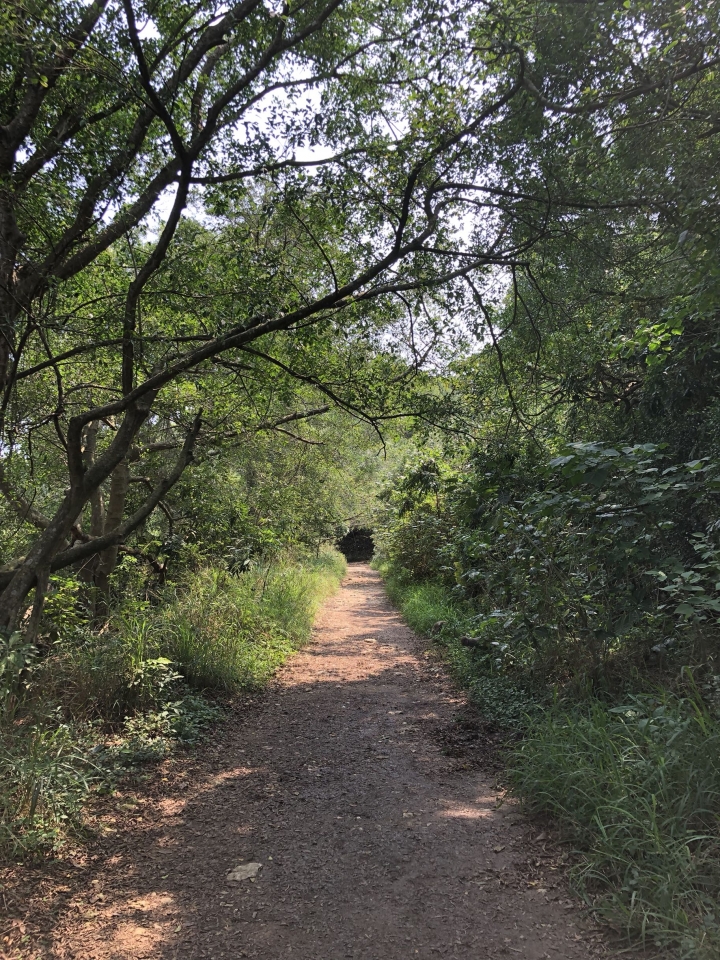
column 374, row 843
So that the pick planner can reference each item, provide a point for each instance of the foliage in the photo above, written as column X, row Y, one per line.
column 219, row 221
column 637, row 787
column 239, row 241
column 80, row 714
column 569, row 565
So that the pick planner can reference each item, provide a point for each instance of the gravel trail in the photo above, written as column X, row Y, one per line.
column 369, row 807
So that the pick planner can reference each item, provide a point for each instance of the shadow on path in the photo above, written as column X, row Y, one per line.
column 374, row 845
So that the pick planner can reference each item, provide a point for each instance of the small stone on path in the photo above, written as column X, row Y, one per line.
column 244, row 871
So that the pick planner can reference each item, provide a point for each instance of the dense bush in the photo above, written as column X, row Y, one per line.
column 591, row 561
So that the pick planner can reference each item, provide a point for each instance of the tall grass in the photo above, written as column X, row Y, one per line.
column 637, row 787
column 423, row 604
column 74, row 718
column 230, row 632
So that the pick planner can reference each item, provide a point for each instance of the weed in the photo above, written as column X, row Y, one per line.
column 503, row 700
column 153, row 735
column 46, row 775
column 637, row 787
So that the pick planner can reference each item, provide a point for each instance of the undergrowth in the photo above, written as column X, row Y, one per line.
column 79, row 714
column 637, row 788
column 632, row 780
column 228, row 632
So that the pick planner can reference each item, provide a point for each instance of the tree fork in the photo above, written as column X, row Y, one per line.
column 84, row 482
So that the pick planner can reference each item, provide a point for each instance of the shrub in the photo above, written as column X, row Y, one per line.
column 580, row 565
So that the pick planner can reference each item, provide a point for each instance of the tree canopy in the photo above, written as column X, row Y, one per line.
column 217, row 220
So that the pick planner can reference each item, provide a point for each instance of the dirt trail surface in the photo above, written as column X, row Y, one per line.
column 353, row 784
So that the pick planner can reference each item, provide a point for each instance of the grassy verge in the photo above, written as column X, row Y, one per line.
column 231, row 633
column 634, row 784
column 429, row 610
column 637, row 787
column 90, row 707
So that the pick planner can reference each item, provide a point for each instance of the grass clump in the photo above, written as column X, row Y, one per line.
column 88, row 707
column 424, row 604
column 45, row 775
column 637, row 788
column 231, row 632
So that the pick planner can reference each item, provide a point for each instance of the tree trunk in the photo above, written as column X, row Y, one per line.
column 41, row 587
column 51, row 541
column 11, row 240
column 88, row 568
column 83, row 482
column 97, row 507
column 113, row 518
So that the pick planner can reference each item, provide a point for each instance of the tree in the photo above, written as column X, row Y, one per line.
column 382, row 143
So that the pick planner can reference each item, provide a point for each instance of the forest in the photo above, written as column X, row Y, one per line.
column 450, row 271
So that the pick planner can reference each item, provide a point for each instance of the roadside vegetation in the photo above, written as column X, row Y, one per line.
column 628, row 772
column 571, row 576
column 92, row 708
column 268, row 272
